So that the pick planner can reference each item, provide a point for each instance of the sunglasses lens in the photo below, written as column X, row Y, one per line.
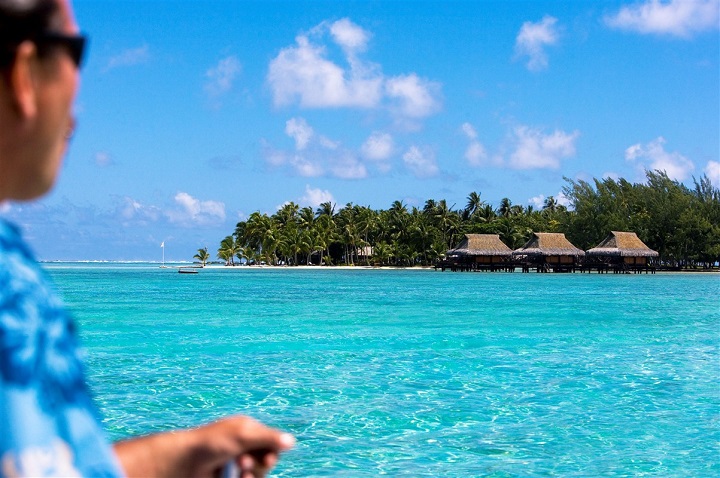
column 74, row 44
column 77, row 49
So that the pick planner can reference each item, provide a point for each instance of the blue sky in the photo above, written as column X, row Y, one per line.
column 193, row 115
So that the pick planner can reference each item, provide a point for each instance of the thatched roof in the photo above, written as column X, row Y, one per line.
column 624, row 244
column 481, row 245
column 548, row 244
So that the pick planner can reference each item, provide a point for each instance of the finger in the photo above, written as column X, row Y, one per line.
column 257, row 463
column 247, row 462
column 271, row 460
column 253, row 435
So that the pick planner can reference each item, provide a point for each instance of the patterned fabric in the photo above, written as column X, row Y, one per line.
column 48, row 423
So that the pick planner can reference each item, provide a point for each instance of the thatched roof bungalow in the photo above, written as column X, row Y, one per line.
column 482, row 248
column 622, row 247
column 549, row 250
column 480, row 252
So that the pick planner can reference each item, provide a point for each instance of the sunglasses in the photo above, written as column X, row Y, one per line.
column 74, row 44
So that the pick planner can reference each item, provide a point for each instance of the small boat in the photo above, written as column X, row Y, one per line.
column 188, row 271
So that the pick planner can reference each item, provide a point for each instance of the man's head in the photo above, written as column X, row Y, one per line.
column 39, row 57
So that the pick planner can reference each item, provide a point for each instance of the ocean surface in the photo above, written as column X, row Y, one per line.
column 415, row 373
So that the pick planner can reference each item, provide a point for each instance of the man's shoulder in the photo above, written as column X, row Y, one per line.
column 10, row 239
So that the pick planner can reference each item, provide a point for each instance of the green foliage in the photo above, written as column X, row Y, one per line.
column 202, row 255
column 682, row 224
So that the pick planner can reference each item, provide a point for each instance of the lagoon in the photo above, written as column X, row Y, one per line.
column 414, row 373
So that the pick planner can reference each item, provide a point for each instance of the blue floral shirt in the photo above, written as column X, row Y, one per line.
column 48, row 423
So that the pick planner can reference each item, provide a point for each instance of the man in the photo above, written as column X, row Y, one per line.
column 48, row 425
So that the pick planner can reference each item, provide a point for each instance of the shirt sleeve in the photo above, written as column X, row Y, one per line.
column 48, row 423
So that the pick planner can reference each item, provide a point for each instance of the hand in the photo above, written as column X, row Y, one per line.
column 202, row 452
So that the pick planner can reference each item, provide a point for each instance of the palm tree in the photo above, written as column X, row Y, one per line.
column 517, row 210
column 447, row 221
column 241, row 254
column 286, row 214
column 228, row 248
column 550, row 205
column 202, row 255
column 505, row 209
column 262, row 235
column 473, row 205
column 430, row 206
column 487, row 213
column 292, row 241
column 326, row 208
column 382, row 252
column 367, row 224
column 308, row 244
column 306, row 217
column 326, row 234
column 436, row 251
column 511, row 234
column 348, row 224
column 423, row 233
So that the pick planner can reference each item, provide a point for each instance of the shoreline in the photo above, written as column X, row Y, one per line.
column 345, row 268
column 175, row 265
column 415, row 268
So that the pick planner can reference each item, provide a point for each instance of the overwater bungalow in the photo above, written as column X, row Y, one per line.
column 548, row 251
column 620, row 252
column 479, row 252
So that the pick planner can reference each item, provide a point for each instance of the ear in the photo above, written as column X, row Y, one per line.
column 22, row 84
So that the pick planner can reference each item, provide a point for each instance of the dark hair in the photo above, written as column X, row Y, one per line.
column 22, row 20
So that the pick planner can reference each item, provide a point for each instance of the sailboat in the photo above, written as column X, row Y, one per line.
column 162, row 245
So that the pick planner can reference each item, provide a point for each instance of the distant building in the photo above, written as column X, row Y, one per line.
column 621, row 251
column 548, row 251
column 479, row 252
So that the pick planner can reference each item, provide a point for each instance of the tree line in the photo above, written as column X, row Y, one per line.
column 681, row 223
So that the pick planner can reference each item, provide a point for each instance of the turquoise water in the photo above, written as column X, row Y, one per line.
column 415, row 373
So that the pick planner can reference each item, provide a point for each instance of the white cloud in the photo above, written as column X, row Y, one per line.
column 328, row 143
column 103, row 159
column 192, row 211
column 535, row 150
column 315, row 197
column 220, row 78
column 378, row 147
column 129, row 57
column 475, row 153
column 347, row 166
column 469, row 131
column 303, row 73
column 300, row 131
column 562, row 199
column 414, row 97
column 349, row 36
column 305, row 167
column 712, row 170
column 653, row 156
column 539, row 201
column 273, row 156
column 314, row 155
column 532, row 40
column 131, row 210
column 610, row 175
column 680, row 18
column 421, row 162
